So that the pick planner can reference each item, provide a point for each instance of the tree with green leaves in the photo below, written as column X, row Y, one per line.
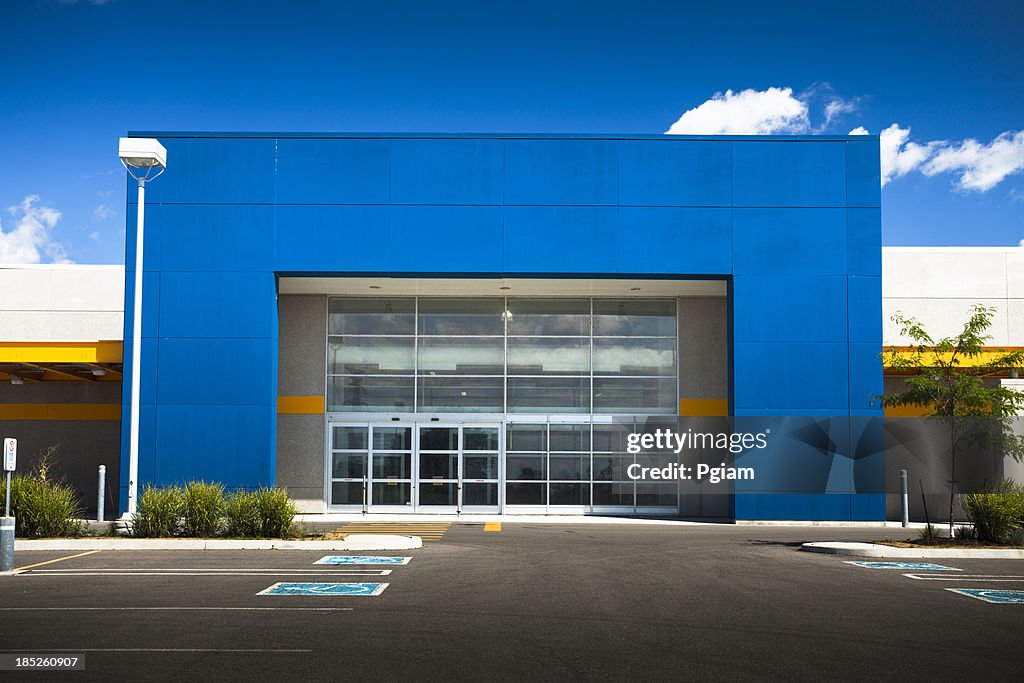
column 947, row 378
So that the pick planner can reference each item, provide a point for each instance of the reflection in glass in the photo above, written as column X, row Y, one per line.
column 561, row 356
column 569, row 467
column 479, row 494
column 480, row 438
column 392, row 438
column 542, row 317
column 439, row 465
column 353, row 438
column 372, row 316
column 370, row 393
column 548, row 394
column 392, row 466
column 462, row 316
column 461, row 394
column 391, row 493
column 480, row 466
column 517, row 493
column 612, row 467
column 635, row 395
column 638, row 356
column 524, row 466
column 570, row 437
column 348, row 465
column 436, row 493
column 370, row 356
column 439, row 439
column 461, row 356
column 526, row 437
column 346, row 493
column 635, row 317
column 569, row 494
column 612, row 437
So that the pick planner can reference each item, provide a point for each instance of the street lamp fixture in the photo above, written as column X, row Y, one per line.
column 145, row 159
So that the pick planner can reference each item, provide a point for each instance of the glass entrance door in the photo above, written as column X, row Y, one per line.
column 432, row 468
column 458, row 468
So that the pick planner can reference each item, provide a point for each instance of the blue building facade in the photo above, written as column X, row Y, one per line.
column 791, row 225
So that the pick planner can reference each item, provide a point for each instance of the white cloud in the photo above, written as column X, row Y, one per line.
column 837, row 107
column 102, row 212
column 94, row 236
column 748, row 112
column 980, row 167
column 29, row 240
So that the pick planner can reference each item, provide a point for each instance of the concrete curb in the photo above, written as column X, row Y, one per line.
column 358, row 542
column 877, row 550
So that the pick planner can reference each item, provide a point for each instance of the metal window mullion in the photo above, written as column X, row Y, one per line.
column 416, row 354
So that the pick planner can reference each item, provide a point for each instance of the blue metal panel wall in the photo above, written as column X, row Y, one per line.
column 793, row 222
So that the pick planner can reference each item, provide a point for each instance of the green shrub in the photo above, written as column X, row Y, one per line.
column 997, row 510
column 277, row 512
column 159, row 512
column 264, row 513
column 203, row 506
column 43, row 507
column 243, row 515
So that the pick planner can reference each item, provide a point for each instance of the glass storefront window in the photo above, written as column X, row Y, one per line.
column 461, row 394
column 634, row 318
column 549, row 317
column 371, row 316
column 635, row 395
column 461, row 356
column 548, row 394
column 370, row 393
column 370, row 356
column 462, row 316
column 642, row 356
column 548, row 356
column 502, row 355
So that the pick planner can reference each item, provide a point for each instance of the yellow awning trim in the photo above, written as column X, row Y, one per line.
column 62, row 352
column 300, row 405
column 703, row 407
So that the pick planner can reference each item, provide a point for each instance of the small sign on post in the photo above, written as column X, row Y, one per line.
column 7, row 523
column 10, row 454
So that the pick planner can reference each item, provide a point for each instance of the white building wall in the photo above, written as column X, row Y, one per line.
column 61, row 302
column 938, row 285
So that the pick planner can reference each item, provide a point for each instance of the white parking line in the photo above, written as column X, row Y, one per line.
column 168, row 649
column 984, row 578
column 202, row 572
column 255, row 609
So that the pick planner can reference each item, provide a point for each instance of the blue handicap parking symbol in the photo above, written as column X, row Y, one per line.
column 994, row 596
column 923, row 566
column 362, row 559
column 286, row 588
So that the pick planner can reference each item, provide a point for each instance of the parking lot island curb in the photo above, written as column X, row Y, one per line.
column 358, row 542
column 878, row 550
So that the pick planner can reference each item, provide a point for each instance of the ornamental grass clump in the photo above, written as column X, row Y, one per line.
column 203, row 508
column 160, row 512
column 276, row 512
column 242, row 514
column 44, row 508
column 41, row 504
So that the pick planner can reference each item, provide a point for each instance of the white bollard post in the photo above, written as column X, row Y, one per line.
column 101, row 493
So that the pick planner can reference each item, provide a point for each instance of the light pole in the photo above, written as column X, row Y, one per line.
column 141, row 156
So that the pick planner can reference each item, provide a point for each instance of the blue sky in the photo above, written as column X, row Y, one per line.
column 78, row 74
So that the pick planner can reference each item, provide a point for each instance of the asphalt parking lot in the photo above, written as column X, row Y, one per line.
column 539, row 602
